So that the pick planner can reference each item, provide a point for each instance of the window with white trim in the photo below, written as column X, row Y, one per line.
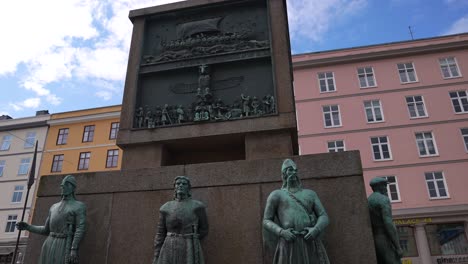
column 426, row 144
column 6, row 142
column 57, row 163
column 83, row 163
column 416, row 106
column 24, row 166
column 336, row 146
column 381, row 148
column 62, row 136
column 10, row 224
column 30, row 140
column 2, row 167
column 114, row 130
column 112, row 158
column 449, row 67
column 331, row 115
column 459, row 101
column 392, row 188
column 326, row 82
column 17, row 194
column 366, row 77
column 407, row 72
column 88, row 133
column 373, row 110
column 464, row 132
column 436, row 184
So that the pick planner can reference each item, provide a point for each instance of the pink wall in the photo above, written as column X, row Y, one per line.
column 406, row 164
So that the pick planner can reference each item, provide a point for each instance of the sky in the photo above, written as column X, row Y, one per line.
column 65, row 55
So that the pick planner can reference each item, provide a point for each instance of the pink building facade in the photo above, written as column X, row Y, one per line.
column 404, row 106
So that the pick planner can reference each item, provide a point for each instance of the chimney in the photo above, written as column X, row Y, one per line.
column 5, row 117
column 42, row 112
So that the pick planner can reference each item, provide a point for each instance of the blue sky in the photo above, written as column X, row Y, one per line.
column 69, row 55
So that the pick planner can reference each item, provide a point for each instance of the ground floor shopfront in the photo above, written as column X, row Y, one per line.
column 7, row 249
column 433, row 235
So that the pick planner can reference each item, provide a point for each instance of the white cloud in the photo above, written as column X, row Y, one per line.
column 459, row 26
column 312, row 18
column 106, row 95
column 28, row 103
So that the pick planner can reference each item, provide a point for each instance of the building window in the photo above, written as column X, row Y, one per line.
column 326, row 82
column 426, row 144
column 112, row 158
column 447, row 239
column 331, row 115
column 11, row 222
column 366, row 77
column 88, row 133
column 6, row 259
column 2, row 167
column 416, row 106
column 30, row 140
column 17, row 194
column 374, row 112
column 57, row 163
column 114, row 130
column 436, row 185
column 459, row 101
column 407, row 241
column 62, row 136
column 464, row 132
column 24, row 166
column 449, row 67
column 6, row 142
column 406, row 72
column 381, row 148
column 336, row 146
column 392, row 188
column 83, row 163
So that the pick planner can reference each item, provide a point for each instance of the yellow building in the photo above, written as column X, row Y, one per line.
column 82, row 141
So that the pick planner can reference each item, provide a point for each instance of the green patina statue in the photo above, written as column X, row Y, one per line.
column 296, row 218
column 65, row 227
column 386, row 240
column 182, row 223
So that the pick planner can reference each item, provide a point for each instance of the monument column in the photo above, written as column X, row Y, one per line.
column 423, row 245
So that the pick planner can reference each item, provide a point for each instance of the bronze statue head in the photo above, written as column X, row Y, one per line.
column 182, row 187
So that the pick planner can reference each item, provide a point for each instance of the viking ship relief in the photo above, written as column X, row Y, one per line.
column 204, row 38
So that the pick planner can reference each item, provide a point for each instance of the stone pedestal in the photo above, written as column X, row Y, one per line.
column 123, row 208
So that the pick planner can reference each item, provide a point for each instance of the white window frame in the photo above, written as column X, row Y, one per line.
column 380, row 149
column 443, row 62
column 2, row 167
column 415, row 105
column 30, row 140
column 366, row 75
column 435, row 184
column 405, row 68
column 18, row 190
column 465, row 138
column 396, row 187
column 326, row 78
column 459, row 100
column 12, row 222
column 331, row 116
column 6, row 143
column 23, row 165
column 373, row 109
column 425, row 143
column 335, row 148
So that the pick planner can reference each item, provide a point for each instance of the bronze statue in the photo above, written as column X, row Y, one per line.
column 387, row 245
column 182, row 224
column 65, row 227
column 301, row 219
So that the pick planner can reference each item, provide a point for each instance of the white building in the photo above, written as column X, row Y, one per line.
column 17, row 139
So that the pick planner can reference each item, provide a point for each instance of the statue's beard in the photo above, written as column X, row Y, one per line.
column 293, row 181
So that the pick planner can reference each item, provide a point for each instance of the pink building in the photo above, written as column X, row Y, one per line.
column 404, row 106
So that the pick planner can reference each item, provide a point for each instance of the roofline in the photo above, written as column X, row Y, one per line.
column 371, row 55
column 24, row 126
column 87, row 109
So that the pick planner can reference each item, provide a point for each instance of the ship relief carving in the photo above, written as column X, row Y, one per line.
column 204, row 38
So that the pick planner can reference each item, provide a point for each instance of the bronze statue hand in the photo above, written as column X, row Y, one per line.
column 287, row 234
column 312, row 232
column 73, row 257
column 22, row 226
column 400, row 252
